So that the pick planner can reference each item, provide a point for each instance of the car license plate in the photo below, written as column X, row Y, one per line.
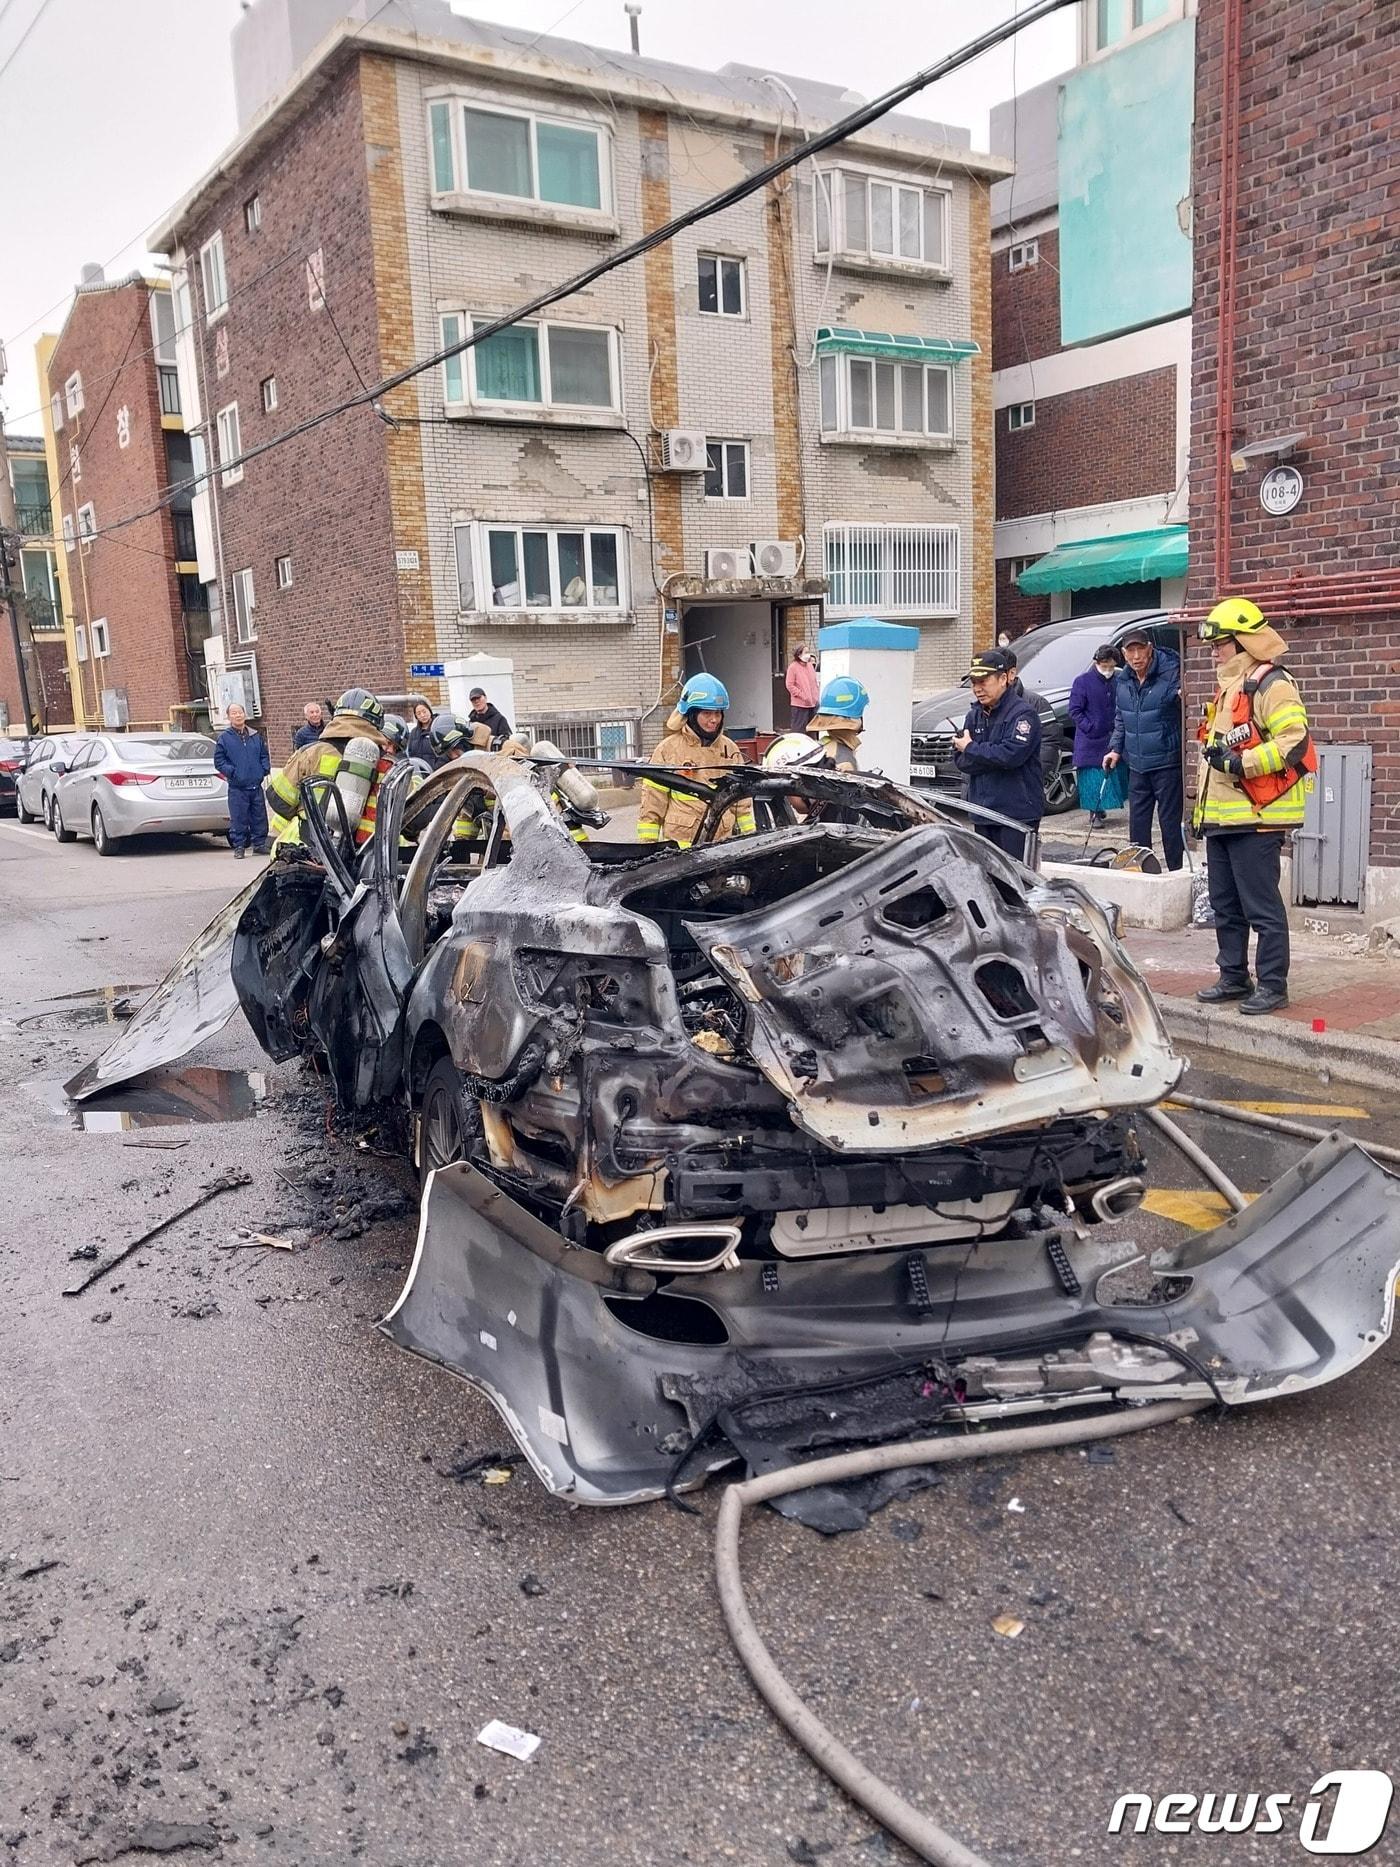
column 923, row 771
column 189, row 784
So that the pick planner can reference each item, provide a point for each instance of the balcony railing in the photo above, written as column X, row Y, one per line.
column 184, row 537
column 169, row 381
column 35, row 521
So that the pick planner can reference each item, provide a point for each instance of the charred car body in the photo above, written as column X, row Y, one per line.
column 837, row 1109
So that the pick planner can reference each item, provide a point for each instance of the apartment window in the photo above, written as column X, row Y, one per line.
column 727, row 470
column 252, row 213
column 163, row 326
column 722, row 285
column 284, row 573
column 545, row 568
column 1115, row 19
column 73, row 393
column 56, row 411
column 87, row 521
column 245, row 613
column 80, row 641
column 230, row 444
column 1014, row 566
column 213, row 279
column 68, row 531
column 860, row 216
column 168, row 381
column 1020, row 415
column 269, row 394
column 893, row 570
column 1025, row 253
column 519, row 156
column 316, row 280
column 546, row 366
column 101, row 639
column 75, row 463
column 862, row 395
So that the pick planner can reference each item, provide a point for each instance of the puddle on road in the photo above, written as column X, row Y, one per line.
column 103, row 1004
column 170, row 1098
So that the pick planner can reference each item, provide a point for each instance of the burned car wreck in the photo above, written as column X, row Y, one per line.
column 811, row 1137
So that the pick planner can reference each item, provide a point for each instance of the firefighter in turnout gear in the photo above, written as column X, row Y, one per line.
column 1257, row 762
column 346, row 756
column 697, row 744
column 839, row 721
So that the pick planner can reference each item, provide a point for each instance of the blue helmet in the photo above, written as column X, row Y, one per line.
column 844, row 698
column 702, row 693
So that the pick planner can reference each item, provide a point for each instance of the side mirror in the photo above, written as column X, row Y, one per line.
column 58, row 768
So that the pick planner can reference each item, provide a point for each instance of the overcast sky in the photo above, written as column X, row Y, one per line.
column 110, row 109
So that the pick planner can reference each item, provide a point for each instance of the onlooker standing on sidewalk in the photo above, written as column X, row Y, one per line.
column 419, row 743
column 1257, row 758
column 240, row 756
column 315, row 725
column 1147, row 732
column 1091, row 707
column 803, row 686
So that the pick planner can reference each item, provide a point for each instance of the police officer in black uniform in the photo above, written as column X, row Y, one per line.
column 999, row 750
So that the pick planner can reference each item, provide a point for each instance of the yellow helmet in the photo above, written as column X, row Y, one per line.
column 1233, row 615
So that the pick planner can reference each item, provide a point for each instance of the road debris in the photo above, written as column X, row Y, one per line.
column 156, row 1838
column 225, row 1183
column 1008, row 1626
column 264, row 1239
column 1017, row 1507
column 510, row 1739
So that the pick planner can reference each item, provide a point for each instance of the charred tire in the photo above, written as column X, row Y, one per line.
column 105, row 843
column 58, row 826
column 449, row 1122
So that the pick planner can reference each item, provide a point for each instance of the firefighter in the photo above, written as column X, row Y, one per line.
column 450, row 739
column 840, row 720
column 999, row 750
column 1257, row 765
column 697, row 744
column 345, row 755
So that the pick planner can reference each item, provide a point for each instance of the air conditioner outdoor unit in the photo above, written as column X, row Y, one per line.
column 682, row 451
column 725, row 566
column 773, row 557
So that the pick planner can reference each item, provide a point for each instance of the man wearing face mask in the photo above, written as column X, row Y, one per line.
column 1257, row 765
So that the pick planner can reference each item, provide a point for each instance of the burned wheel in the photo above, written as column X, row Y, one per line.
column 448, row 1124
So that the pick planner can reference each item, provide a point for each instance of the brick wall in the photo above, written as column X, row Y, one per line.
column 982, row 438
column 1017, row 613
column 1026, row 305
column 324, row 498
column 1313, row 349
column 126, row 578
column 1116, row 440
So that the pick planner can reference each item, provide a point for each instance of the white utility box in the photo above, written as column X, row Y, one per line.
column 880, row 655
column 494, row 673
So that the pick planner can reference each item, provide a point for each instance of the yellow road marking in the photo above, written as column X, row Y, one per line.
column 1341, row 1110
column 1198, row 1211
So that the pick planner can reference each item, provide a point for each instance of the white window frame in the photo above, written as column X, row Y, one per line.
column 229, row 476
column 245, row 606
column 1019, row 415
column 69, row 534
column 283, row 567
column 316, row 280
column 1021, row 256
column 267, row 388
column 1093, row 48
column 252, row 212
column 56, row 411
column 720, row 261
column 724, row 495
column 101, row 639
column 478, row 531
column 463, row 367
column 73, row 393
column 459, row 102
column 75, row 462
column 213, row 273
column 834, row 243
column 80, row 641
column 87, row 523
column 1015, row 566
column 842, row 361
column 896, row 580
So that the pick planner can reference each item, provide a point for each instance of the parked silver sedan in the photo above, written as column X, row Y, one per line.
column 120, row 785
column 47, row 760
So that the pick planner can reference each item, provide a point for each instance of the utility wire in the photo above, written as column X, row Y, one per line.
column 15, row 51
column 837, row 132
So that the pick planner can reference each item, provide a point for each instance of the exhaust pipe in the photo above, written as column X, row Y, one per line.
column 1118, row 1198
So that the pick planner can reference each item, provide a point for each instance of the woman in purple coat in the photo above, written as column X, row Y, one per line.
column 1091, row 707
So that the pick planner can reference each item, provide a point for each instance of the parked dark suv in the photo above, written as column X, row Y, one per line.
column 1048, row 659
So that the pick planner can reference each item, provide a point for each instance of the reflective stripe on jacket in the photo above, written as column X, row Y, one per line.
column 1278, row 714
column 674, row 816
column 322, row 759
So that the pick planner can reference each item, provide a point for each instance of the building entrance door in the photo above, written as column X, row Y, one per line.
column 737, row 643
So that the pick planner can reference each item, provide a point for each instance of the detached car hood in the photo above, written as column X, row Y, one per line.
column 897, row 1012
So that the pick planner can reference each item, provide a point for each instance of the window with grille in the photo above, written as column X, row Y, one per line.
column 893, row 570
column 575, row 738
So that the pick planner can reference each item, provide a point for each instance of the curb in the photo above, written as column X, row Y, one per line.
column 1346, row 1056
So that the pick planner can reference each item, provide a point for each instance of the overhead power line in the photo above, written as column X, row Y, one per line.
column 800, row 152
column 15, row 50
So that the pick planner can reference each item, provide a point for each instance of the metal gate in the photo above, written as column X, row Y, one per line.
column 1331, row 851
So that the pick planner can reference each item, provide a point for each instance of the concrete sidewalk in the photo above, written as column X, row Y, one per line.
column 1344, row 1014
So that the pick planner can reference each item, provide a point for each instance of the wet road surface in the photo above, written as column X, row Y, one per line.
column 255, row 1588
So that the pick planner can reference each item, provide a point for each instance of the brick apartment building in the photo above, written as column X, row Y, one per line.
column 1294, row 362
column 1091, row 328
column 138, row 611
column 545, row 499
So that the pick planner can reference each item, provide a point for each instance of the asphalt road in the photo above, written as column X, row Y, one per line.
column 246, row 1588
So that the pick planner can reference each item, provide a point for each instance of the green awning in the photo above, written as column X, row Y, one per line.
column 1093, row 563
column 887, row 344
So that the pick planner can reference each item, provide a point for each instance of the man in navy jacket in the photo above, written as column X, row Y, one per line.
column 240, row 754
column 1147, row 732
column 999, row 750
